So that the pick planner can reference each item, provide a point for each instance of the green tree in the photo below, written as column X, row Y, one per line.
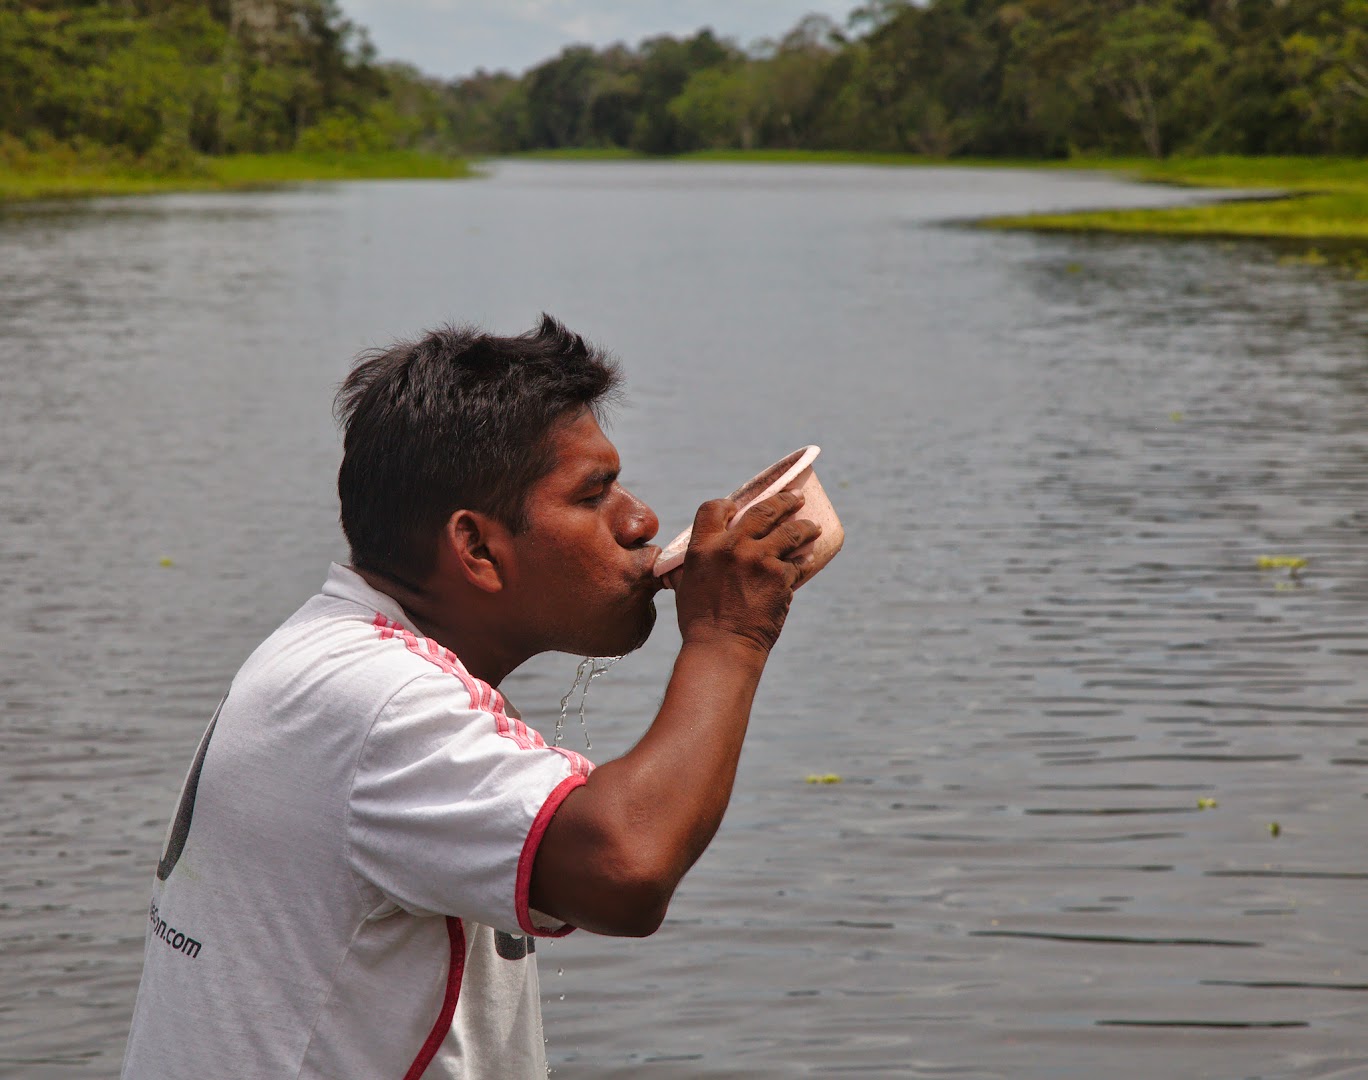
column 665, row 66
column 934, row 76
column 558, row 96
column 1153, row 62
column 792, row 80
column 720, row 107
column 489, row 113
column 1326, row 65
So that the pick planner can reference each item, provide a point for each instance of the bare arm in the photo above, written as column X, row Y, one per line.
column 618, row 846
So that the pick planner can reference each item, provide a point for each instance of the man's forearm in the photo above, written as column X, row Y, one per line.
column 618, row 846
column 680, row 774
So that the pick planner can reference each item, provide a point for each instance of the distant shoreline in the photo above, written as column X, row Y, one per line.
column 1317, row 199
column 53, row 177
column 1320, row 199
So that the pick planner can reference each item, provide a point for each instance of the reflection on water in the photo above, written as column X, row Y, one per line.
column 1068, row 704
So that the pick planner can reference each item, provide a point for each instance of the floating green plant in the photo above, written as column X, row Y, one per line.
column 824, row 778
column 1310, row 257
column 1281, row 562
column 1207, row 803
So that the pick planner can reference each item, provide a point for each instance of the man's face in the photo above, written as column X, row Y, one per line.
column 582, row 567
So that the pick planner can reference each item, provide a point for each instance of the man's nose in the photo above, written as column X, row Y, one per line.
column 639, row 523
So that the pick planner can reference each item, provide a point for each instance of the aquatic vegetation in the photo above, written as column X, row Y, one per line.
column 1281, row 562
column 824, row 778
column 1310, row 257
column 1297, row 198
column 1207, row 803
column 1293, row 564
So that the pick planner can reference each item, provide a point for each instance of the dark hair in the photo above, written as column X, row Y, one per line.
column 459, row 419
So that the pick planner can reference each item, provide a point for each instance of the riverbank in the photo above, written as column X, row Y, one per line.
column 1318, row 199
column 62, row 175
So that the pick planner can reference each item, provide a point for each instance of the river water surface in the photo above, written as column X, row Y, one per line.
column 1046, row 650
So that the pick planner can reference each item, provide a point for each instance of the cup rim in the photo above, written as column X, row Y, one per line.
column 790, row 467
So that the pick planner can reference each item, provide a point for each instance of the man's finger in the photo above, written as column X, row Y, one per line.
column 794, row 534
column 761, row 519
column 712, row 517
column 793, row 569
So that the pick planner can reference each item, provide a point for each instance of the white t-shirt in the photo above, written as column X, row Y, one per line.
column 344, row 888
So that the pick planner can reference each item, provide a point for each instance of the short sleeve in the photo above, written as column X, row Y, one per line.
column 450, row 800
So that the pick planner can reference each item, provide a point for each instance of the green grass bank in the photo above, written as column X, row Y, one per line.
column 61, row 174
column 1320, row 199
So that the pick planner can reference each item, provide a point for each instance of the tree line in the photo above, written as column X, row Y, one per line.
column 1021, row 78
column 165, row 80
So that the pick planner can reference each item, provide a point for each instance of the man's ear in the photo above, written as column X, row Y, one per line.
column 479, row 549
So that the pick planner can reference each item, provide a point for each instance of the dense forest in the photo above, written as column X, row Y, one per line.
column 1028, row 78
column 165, row 80
column 162, row 81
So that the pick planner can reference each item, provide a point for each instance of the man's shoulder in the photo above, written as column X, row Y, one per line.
column 330, row 641
column 352, row 654
column 301, row 711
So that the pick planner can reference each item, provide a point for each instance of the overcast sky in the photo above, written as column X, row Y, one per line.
column 454, row 37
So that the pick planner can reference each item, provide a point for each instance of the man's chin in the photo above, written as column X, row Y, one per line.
column 649, row 621
column 627, row 634
column 633, row 636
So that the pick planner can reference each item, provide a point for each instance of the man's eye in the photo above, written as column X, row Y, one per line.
column 596, row 498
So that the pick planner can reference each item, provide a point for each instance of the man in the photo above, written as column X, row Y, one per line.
column 369, row 837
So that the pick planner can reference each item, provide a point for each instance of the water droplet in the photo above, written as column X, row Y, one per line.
column 560, row 971
column 589, row 669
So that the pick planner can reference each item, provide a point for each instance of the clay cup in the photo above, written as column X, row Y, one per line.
column 791, row 473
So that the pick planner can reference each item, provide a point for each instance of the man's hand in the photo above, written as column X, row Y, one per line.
column 738, row 582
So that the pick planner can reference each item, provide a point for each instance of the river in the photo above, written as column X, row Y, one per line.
column 1103, row 776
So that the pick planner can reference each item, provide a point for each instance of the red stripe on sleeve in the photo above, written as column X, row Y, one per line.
column 529, row 855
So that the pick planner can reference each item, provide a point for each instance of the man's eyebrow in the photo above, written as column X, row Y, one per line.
column 599, row 478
